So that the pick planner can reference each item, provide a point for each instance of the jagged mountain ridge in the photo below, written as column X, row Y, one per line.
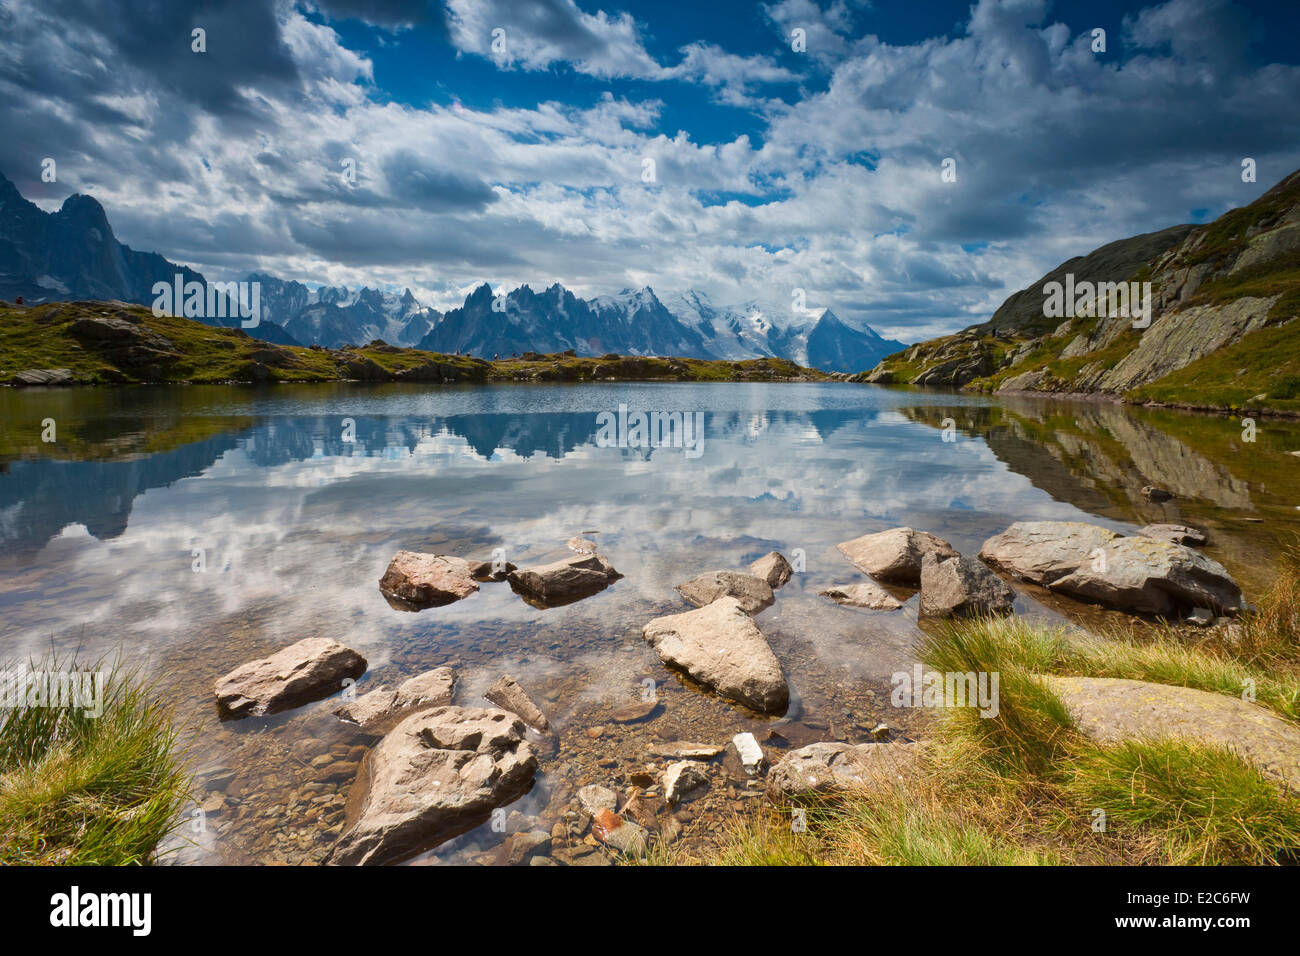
column 72, row 254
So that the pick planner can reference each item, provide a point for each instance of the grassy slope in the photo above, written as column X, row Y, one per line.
column 1024, row 787
column 41, row 337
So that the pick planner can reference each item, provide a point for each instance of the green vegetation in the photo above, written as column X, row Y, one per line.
column 79, row 789
column 1265, row 362
column 1024, row 787
column 114, row 344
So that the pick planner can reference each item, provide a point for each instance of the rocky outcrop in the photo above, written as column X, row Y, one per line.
column 894, row 556
column 721, row 647
column 427, row 580
column 825, row 768
column 867, row 594
column 753, row 593
column 381, row 709
column 1110, row 710
column 772, row 568
column 435, row 775
column 313, row 668
column 508, row 695
column 962, row 587
column 47, row 377
column 563, row 582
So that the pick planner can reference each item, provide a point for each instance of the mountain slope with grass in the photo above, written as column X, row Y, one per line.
column 116, row 343
column 1223, row 335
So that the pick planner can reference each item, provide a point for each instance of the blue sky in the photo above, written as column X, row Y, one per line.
column 773, row 169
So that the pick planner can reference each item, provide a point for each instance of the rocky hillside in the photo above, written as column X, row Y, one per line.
column 1223, row 335
column 116, row 343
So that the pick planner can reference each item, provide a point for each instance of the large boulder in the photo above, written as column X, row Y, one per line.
column 1149, row 576
column 962, row 587
column 380, row 709
column 1044, row 551
column 435, row 775
column 825, row 768
column 864, row 594
column 313, row 668
column 894, row 556
column 754, row 594
column 720, row 646
column 428, row 580
column 562, row 582
column 1111, row 709
column 772, row 568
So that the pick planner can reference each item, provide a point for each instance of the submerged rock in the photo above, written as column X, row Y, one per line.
column 508, row 695
column 313, row 668
column 566, row 581
column 593, row 798
column 628, row 838
column 1174, row 533
column 826, row 767
column 428, row 580
column 435, row 775
column 895, row 555
column 720, row 646
column 772, row 568
column 682, row 780
column 380, row 709
column 962, row 587
column 753, row 593
column 867, row 594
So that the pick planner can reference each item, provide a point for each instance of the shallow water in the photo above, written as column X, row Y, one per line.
column 99, row 532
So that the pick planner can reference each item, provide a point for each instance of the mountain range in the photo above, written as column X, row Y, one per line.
column 73, row 254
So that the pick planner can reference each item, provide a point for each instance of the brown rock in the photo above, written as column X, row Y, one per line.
column 895, row 555
column 427, row 580
column 313, row 668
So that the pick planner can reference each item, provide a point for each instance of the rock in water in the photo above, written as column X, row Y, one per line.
column 628, row 838
column 962, row 587
column 720, row 646
column 1152, row 577
column 750, row 753
column 826, row 767
column 593, row 798
column 562, row 582
column 427, row 580
column 313, row 668
column 508, row 695
column 380, row 709
column 1157, row 494
column 866, row 594
column 895, row 555
column 772, row 568
column 1044, row 551
column 1174, row 533
column 753, row 593
column 1111, row 709
column 435, row 775
column 581, row 545
column 683, row 779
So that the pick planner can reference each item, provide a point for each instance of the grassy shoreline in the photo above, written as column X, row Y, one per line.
column 113, row 343
column 1027, row 787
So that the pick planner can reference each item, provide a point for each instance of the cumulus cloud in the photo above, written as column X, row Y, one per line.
column 235, row 161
